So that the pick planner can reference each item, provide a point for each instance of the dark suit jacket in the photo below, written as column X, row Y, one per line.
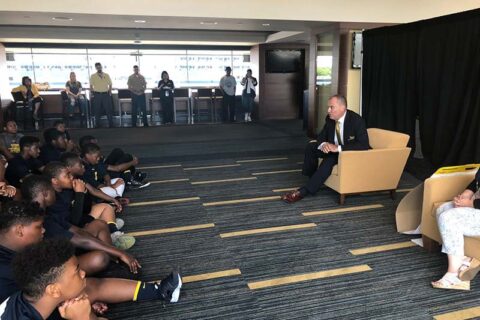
column 355, row 136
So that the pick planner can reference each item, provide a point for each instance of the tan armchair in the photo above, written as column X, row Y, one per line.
column 377, row 169
column 438, row 190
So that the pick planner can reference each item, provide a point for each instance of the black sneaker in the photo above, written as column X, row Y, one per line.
column 170, row 287
column 134, row 184
column 140, row 176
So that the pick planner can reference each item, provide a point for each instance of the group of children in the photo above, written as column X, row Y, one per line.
column 70, row 195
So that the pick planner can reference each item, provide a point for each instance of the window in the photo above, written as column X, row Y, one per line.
column 54, row 66
column 187, row 68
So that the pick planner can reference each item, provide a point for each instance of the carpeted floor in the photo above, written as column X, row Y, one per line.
column 388, row 285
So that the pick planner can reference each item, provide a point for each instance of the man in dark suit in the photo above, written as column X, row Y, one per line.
column 344, row 130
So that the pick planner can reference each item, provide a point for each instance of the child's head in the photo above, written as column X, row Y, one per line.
column 49, row 269
column 59, row 125
column 11, row 127
column 59, row 175
column 21, row 223
column 55, row 138
column 74, row 163
column 86, row 140
column 38, row 189
column 30, row 146
column 91, row 153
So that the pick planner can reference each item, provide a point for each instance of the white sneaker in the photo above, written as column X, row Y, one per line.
column 246, row 117
column 120, row 223
column 249, row 118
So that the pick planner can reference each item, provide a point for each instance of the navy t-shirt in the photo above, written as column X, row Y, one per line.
column 7, row 283
column 54, row 229
column 49, row 153
column 18, row 168
column 17, row 308
column 94, row 174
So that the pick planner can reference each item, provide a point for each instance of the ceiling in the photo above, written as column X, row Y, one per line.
column 207, row 22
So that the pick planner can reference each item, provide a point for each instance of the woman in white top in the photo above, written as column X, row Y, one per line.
column 248, row 94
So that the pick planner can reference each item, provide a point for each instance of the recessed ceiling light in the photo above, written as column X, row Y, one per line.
column 209, row 23
column 266, row 24
column 62, row 18
column 140, row 21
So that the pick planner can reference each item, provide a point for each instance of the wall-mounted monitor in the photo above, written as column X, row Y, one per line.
column 284, row 61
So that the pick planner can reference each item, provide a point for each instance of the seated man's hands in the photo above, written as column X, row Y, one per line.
column 465, row 199
column 328, row 147
column 7, row 190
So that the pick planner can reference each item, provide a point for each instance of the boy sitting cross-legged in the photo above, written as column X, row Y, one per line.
column 76, row 167
column 69, row 205
column 21, row 226
column 95, row 239
column 96, row 174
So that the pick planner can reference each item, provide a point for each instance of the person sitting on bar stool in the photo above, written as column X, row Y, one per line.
column 31, row 95
column 74, row 90
column 166, row 88
column 137, row 85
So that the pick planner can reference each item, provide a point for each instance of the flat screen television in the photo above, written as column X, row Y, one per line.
column 284, row 61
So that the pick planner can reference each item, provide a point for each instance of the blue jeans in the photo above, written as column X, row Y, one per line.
column 139, row 104
column 80, row 101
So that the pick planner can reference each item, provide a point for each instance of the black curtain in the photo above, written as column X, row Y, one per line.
column 389, row 82
column 429, row 69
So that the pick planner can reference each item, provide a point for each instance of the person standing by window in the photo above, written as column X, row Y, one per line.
column 31, row 95
column 248, row 94
column 227, row 86
column 166, row 88
column 137, row 86
column 74, row 90
column 101, row 92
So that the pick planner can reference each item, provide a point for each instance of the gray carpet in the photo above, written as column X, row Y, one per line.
column 398, row 287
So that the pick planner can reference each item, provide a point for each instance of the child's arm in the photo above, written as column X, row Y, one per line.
column 102, row 195
column 77, row 210
column 122, row 166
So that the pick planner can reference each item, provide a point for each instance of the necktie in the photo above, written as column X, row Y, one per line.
column 337, row 132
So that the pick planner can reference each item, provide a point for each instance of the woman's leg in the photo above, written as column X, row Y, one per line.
column 454, row 224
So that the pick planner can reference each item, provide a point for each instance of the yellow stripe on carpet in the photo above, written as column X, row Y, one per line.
column 285, row 189
column 382, row 248
column 168, row 181
column 171, row 230
column 223, row 180
column 267, row 230
column 248, row 200
column 274, row 172
column 211, row 275
column 168, row 201
column 464, row 314
column 308, row 276
column 160, row 167
column 261, row 160
column 212, row 167
column 343, row 209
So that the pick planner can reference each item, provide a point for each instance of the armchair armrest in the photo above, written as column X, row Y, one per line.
column 371, row 170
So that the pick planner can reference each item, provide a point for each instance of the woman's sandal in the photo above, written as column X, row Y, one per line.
column 451, row 282
column 468, row 271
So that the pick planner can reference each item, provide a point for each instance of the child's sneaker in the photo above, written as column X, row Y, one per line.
column 122, row 241
column 170, row 287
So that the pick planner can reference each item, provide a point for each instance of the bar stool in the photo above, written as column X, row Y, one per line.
column 181, row 103
column 203, row 95
column 217, row 102
column 124, row 95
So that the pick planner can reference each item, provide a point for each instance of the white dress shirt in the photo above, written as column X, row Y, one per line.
column 341, row 122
